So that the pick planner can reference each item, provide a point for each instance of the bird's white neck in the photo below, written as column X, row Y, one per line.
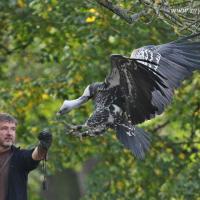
column 76, row 102
column 68, row 105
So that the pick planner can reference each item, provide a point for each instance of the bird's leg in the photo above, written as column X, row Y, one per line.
column 93, row 132
column 78, row 127
column 75, row 127
column 90, row 132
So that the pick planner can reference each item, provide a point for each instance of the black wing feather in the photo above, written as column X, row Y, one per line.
column 148, row 79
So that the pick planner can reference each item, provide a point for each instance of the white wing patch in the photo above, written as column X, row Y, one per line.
column 147, row 54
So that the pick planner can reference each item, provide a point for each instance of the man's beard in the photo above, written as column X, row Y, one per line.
column 7, row 144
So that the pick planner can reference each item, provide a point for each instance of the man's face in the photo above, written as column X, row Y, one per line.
column 7, row 134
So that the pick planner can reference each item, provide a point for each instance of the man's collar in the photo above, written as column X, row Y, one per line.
column 14, row 148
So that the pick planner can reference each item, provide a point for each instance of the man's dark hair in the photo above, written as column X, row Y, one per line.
column 7, row 117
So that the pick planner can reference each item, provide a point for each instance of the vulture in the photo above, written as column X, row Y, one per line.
column 137, row 88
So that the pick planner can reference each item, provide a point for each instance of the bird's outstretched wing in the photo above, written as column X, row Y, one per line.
column 147, row 79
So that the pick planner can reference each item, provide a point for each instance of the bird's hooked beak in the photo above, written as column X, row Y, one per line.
column 58, row 113
column 61, row 112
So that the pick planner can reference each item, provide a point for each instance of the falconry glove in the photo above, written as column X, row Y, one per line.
column 45, row 138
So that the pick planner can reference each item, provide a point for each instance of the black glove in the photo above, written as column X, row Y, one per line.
column 45, row 139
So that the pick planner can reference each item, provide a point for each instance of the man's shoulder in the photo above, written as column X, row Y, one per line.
column 23, row 158
column 15, row 149
column 20, row 151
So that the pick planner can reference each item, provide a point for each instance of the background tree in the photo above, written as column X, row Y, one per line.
column 51, row 50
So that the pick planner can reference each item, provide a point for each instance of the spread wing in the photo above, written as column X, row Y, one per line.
column 147, row 79
column 175, row 60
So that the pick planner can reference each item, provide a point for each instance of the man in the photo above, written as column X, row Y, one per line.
column 15, row 163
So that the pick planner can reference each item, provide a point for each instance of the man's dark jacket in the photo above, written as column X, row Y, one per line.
column 21, row 164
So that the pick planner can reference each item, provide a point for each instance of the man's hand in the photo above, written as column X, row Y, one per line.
column 40, row 151
column 45, row 139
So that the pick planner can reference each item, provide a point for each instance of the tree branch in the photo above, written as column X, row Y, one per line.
column 160, row 126
column 176, row 15
column 188, row 143
column 10, row 51
column 123, row 13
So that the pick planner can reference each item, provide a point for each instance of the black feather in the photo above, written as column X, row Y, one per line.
column 138, row 142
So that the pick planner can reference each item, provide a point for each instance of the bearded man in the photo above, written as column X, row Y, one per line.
column 16, row 163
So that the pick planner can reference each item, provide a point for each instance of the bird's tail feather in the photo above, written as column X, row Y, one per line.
column 135, row 139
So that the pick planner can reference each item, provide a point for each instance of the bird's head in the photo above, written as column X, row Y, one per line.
column 66, row 107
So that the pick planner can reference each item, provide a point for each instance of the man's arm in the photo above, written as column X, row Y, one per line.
column 39, row 154
column 40, row 151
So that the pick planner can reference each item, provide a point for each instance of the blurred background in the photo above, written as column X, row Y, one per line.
column 51, row 50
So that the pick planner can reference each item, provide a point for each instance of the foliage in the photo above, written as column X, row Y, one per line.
column 49, row 51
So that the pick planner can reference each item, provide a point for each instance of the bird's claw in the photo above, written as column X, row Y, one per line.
column 79, row 127
column 77, row 131
column 77, row 134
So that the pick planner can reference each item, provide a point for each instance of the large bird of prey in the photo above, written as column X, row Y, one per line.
column 138, row 88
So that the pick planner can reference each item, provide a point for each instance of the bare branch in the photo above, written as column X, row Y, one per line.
column 123, row 13
column 182, row 15
column 160, row 126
